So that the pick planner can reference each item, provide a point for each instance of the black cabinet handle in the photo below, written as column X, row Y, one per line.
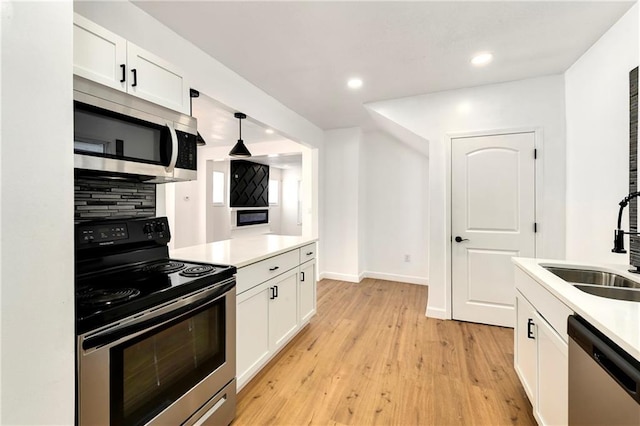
column 530, row 324
column 135, row 77
column 276, row 287
column 309, row 253
column 301, row 276
column 460, row 239
column 274, row 268
column 273, row 293
column 123, row 67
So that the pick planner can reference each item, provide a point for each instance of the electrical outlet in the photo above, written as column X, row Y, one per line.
column 407, row 258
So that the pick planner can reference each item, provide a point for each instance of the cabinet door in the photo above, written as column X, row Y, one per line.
column 252, row 332
column 526, row 357
column 156, row 80
column 98, row 54
column 283, row 308
column 553, row 372
column 307, row 291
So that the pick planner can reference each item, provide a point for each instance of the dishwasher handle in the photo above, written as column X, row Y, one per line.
column 621, row 366
column 615, row 371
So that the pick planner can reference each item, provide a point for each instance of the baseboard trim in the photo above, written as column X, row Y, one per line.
column 409, row 279
column 439, row 313
column 340, row 277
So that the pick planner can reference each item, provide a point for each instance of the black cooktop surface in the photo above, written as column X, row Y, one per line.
column 103, row 297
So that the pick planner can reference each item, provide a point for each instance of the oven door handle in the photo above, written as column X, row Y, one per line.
column 114, row 334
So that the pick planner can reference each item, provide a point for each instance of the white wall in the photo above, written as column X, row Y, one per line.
column 289, row 198
column 275, row 211
column 36, row 267
column 187, row 208
column 597, row 98
column 341, row 173
column 521, row 104
column 218, row 217
column 397, row 210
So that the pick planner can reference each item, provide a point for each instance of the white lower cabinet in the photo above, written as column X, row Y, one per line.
column 553, row 380
column 526, row 351
column 307, row 291
column 252, row 331
column 271, row 310
column 541, row 350
column 283, row 309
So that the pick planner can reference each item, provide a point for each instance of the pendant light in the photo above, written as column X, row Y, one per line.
column 239, row 150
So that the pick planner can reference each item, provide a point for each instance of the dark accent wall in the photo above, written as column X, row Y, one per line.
column 249, row 184
column 633, row 167
column 97, row 199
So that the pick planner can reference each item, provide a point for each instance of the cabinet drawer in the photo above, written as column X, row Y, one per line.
column 259, row 272
column 307, row 252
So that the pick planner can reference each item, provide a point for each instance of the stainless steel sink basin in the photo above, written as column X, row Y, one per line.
column 599, row 283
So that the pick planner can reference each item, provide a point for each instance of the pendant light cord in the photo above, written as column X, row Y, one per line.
column 240, row 125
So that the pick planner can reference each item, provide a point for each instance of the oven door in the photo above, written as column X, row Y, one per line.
column 170, row 365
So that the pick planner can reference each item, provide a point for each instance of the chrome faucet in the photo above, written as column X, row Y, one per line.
column 618, row 234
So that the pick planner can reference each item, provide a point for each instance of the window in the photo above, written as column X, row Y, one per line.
column 218, row 188
column 274, row 192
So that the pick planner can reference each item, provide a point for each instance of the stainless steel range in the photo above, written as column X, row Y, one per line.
column 155, row 336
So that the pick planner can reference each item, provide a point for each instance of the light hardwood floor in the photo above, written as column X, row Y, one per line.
column 370, row 356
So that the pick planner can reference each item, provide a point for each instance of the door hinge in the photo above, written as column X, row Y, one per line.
column 535, row 153
column 535, row 227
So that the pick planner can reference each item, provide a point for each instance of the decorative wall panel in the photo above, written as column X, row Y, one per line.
column 249, row 184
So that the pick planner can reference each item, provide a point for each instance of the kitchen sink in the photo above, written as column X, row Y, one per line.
column 599, row 283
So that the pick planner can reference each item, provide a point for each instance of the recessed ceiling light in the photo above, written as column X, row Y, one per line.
column 269, row 131
column 354, row 83
column 273, row 155
column 482, row 59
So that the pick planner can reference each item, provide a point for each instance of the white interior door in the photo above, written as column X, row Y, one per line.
column 492, row 220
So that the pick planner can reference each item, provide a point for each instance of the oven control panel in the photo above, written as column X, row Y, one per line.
column 104, row 233
column 132, row 231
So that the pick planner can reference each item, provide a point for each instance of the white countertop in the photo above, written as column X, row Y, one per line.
column 242, row 251
column 617, row 319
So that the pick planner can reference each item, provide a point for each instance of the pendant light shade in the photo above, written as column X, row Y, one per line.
column 240, row 150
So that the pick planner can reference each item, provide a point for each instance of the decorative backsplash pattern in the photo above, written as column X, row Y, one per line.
column 97, row 199
column 633, row 167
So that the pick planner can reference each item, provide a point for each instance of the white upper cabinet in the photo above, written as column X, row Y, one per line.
column 98, row 54
column 106, row 58
column 156, row 80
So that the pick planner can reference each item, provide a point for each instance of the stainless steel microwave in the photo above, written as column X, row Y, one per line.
column 118, row 135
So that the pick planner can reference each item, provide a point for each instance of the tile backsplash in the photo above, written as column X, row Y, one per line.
column 634, row 240
column 97, row 199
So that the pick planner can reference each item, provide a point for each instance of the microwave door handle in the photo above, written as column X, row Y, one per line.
column 174, row 148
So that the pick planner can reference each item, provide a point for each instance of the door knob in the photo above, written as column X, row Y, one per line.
column 460, row 239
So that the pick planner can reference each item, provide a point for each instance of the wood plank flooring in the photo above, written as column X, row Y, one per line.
column 370, row 356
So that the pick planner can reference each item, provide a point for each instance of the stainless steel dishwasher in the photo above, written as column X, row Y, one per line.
column 604, row 380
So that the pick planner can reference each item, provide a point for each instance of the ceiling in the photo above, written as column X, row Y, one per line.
column 218, row 126
column 302, row 53
column 280, row 161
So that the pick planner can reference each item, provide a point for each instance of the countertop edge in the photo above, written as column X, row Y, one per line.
column 241, row 252
column 273, row 253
